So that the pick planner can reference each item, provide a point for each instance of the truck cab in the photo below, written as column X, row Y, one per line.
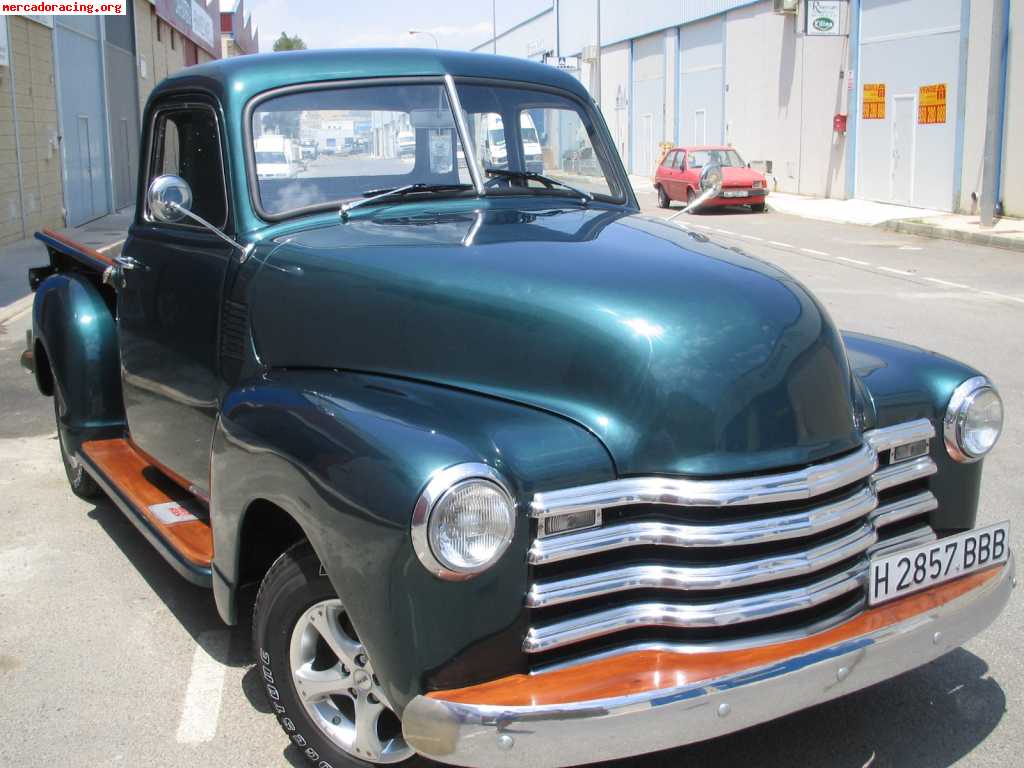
column 504, row 472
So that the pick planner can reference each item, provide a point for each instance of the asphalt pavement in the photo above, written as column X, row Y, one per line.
column 107, row 657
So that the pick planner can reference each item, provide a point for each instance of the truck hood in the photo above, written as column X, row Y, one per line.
column 682, row 356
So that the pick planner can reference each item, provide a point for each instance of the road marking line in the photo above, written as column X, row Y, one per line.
column 854, row 261
column 1002, row 296
column 816, row 253
column 701, row 226
column 106, row 248
column 753, row 237
column 896, row 271
column 946, row 282
column 781, row 245
column 201, row 709
column 723, row 231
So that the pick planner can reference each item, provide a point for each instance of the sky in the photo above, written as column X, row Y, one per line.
column 458, row 24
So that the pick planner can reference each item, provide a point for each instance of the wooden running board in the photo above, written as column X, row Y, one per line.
column 174, row 514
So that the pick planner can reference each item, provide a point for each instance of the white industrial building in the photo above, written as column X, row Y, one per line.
column 910, row 77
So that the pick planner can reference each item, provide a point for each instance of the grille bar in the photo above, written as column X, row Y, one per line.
column 776, row 532
column 732, row 575
column 797, row 485
column 687, row 616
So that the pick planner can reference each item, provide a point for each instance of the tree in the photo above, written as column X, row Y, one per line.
column 288, row 42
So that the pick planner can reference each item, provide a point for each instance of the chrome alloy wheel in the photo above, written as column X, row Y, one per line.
column 335, row 682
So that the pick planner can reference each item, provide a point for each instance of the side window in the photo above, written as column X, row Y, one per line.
column 681, row 161
column 186, row 142
column 670, row 160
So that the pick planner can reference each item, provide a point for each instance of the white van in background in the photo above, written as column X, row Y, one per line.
column 275, row 158
column 494, row 151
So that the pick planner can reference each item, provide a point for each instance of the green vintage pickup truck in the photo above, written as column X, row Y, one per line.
column 511, row 474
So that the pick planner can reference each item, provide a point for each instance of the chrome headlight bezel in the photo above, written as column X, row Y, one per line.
column 441, row 485
column 954, row 421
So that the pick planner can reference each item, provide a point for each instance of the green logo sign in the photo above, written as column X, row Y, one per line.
column 823, row 23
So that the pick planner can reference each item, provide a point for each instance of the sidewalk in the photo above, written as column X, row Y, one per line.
column 1007, row 233
column 16, row 258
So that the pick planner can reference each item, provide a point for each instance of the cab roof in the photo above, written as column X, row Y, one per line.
column 239, row 78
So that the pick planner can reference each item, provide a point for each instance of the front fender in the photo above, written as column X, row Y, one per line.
column 904, row 383
column 76, row 330
column 347, row 455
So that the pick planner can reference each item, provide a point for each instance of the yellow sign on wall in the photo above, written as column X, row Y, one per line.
column 874, row 101
column 931, row 104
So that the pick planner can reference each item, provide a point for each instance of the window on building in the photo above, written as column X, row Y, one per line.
column 186, row 143
column 173, row 44
column 159, row 27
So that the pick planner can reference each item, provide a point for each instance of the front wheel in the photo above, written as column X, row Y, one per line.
column 663, row 198
column 81, row 482
column 758, row 207
column 319, row 677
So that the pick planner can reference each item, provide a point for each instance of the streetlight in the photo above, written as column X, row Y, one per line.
column 414, row 32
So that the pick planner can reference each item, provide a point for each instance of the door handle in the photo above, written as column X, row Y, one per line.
column 127, row 263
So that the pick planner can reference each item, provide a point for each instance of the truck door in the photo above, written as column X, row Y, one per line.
column 169, row 303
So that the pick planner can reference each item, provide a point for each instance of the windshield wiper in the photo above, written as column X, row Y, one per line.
column 545, row 180
column 373, row 195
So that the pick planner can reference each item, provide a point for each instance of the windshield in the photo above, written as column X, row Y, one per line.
column 394, row 135
column 727, row 158
column 271, row 157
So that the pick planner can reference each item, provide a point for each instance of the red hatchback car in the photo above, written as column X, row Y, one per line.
column 678, row 178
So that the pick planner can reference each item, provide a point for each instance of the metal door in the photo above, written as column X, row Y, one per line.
column 83, row 120
column 901, row 174
column 169, row 307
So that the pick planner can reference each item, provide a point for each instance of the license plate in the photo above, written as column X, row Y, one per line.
column 912, row 570
column 735, row 193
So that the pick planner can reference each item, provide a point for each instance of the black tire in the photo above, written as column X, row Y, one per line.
column 758, row 207
column 292, row 589
column 663, row 198
column 690, row 197
column 81, row 482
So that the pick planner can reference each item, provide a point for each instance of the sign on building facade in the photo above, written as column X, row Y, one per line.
column 825, row 17
column 874, row 102
column 931, row 104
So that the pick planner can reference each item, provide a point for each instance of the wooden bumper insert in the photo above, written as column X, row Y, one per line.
column 641, row 671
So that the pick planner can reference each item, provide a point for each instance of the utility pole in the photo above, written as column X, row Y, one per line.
column 597, row 63
column 494, row 25
column 994, row 114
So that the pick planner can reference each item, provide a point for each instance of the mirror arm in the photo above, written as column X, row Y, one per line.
column 244, row 250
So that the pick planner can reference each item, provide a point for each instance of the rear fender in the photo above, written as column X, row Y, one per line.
column 73, row 325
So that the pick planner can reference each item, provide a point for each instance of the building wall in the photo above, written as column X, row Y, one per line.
column 702, row 82
column 40, row 197
column 157, row 57
column 1013, row 128
column 615, row 96
column 979, row 36
column 905, row 46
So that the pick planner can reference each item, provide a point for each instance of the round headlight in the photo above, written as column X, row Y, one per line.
column 463, row 521
column 974, row 420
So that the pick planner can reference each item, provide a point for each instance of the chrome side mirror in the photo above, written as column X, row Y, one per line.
column 711, row 178
column 168, row 198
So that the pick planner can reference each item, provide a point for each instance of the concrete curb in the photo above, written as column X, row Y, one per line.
column 16, row 308
column 911, row 227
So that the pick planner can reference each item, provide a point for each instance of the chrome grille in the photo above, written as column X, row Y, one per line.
column 672, row 554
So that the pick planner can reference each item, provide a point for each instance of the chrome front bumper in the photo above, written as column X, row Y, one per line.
column 591, row 731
